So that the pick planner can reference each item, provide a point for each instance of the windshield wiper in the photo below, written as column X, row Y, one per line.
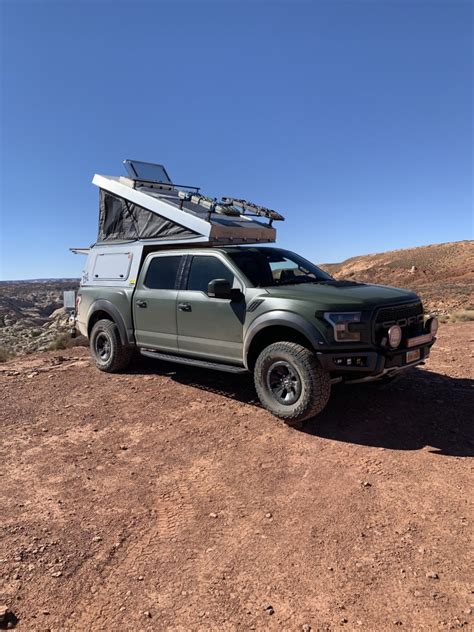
column 294, row 282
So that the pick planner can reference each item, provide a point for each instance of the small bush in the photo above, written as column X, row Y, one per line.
column 463, row 315
column 5, row 354
column 64, row 341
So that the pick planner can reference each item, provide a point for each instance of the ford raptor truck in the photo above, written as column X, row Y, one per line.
column 178, row 276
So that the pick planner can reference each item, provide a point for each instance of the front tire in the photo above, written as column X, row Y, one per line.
column 107, row 350
column 290, row 383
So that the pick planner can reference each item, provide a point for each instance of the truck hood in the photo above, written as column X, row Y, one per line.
column 342, row 294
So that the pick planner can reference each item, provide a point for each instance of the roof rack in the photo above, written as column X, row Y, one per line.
column 255, row 209
column 212, row 205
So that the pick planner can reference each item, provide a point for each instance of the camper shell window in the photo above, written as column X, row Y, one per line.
column 112, row 266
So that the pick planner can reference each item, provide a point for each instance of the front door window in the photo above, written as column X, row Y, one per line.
column 205, row 269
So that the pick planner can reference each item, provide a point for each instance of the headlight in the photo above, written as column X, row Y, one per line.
column 341, row 322
column 394, row 336
column 431, row 325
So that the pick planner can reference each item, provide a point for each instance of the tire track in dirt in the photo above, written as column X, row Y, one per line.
column 158, row 532
column 174, row 511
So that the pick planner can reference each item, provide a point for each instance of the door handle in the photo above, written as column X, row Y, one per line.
column 184, row 307
column 141, row 303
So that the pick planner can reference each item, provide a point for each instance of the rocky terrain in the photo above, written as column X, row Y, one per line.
column 442, row 274
column 32, row 317
column 166, row 498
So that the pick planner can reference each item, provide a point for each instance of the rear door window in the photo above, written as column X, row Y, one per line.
column 162, row 273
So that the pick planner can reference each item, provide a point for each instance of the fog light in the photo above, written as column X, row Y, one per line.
column 432, row 325
column 394, row 336
column 358, row 361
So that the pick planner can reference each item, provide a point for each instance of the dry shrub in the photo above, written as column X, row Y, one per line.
column 64, row 341
column 5, row 354
column 463, row 315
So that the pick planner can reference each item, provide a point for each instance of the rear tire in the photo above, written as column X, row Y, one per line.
column 290, row 383
column 107, row 350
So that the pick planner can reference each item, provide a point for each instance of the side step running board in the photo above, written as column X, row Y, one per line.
column 204, row 364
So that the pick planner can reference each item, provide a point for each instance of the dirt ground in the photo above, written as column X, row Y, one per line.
column 167, row 499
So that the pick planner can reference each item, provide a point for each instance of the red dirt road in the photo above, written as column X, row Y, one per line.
column 167, row 499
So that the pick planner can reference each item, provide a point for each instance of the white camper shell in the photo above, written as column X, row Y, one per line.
column 146, row 211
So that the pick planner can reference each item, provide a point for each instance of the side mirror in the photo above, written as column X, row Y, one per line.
column 219, row 288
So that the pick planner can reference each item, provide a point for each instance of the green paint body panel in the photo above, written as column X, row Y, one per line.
column 155, row 325
column 326, row 298
column 212, row 329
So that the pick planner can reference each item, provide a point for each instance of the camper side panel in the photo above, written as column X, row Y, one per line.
column 112, row 266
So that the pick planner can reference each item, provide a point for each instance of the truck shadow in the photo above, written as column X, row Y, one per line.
column 420, row 410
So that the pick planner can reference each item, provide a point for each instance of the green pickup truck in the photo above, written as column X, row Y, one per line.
column 239, row 308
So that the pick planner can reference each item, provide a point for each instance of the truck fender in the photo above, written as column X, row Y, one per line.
column 284, row 319
column 103, row 305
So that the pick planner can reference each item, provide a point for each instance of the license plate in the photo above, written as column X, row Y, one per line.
column 412, row 356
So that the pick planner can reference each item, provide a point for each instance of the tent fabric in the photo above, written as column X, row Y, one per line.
column 121, row 220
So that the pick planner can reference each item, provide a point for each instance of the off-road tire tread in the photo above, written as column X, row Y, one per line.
column 317, row 383
column 121, row 355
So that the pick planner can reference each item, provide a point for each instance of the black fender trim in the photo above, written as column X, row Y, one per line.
column 283, row 319
column 127, row 337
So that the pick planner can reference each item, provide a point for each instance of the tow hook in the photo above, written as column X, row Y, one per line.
column 72, row 324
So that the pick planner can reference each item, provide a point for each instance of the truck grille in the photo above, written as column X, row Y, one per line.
column 408, row 316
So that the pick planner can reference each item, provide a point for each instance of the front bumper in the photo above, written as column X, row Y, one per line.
column 365, row 366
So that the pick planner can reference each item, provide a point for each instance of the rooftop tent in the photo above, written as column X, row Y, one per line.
column 148, row 206
column 120, row 219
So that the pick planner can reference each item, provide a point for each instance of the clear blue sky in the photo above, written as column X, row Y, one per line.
column 353, row 118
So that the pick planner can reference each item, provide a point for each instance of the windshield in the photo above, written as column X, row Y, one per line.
column 266, row 267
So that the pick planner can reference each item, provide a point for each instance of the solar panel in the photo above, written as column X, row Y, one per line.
column 146, row 171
